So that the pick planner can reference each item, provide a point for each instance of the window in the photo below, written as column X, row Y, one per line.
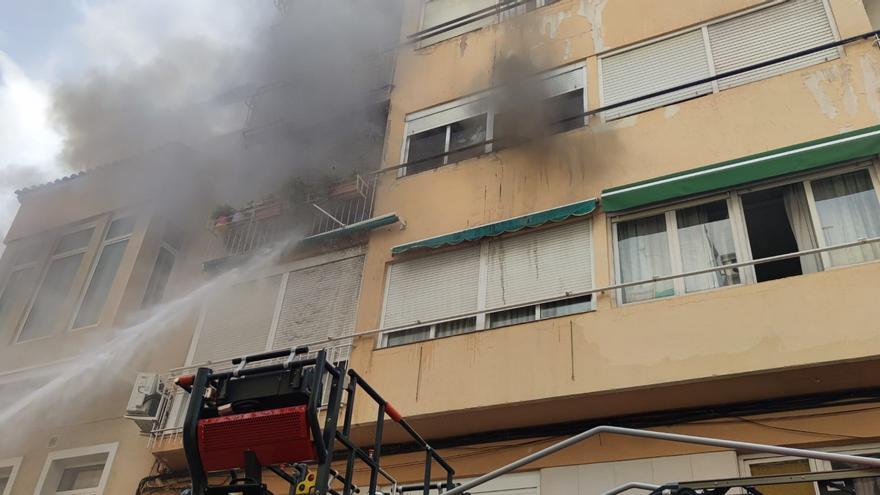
column 159, row 276
column 826, row 210
column 18, row 284
column 57, row 284
column 463, row 286
column 81, row 471
column 763, row 465
column 436, row 12
column 110, row 256
column 8, row 472
column 716, row 48
column 505, row 114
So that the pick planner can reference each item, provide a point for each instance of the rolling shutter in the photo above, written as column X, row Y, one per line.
column 432, row 287
column 563, row 83
column 437, row 12
column 237, row 320
column 655, row 67
column 769, row 33
column 540, row 265
column 319, row 302
column 447, row 116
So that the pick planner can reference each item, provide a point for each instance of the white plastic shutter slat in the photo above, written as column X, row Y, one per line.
column 432, row 287
column 769, row 33
column 655, row 67
column 540, row 265
column 448, row 116
column 439, row 11
column 319, row 302
column 237, row 320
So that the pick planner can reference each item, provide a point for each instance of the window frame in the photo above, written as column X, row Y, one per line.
column 733, row 197
column 704, row 27
column 34, row 264
column 14, row 463
column 174, row 253
column 97, row 225
column 56, row 460
column 482, row 313
column 490, row 111
column 501, row 17
column 96, row 259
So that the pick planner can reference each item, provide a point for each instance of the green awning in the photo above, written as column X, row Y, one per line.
column 510, row 225
column 369, row 224
column 805, row 156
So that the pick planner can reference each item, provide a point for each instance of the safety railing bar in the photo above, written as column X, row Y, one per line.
column 672, row 437
column 631, row 485
column 608, row 288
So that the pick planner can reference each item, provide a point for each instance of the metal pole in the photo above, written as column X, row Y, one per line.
column 632, row 484
column 672, row 437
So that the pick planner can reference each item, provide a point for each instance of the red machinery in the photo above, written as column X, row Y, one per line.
column 266, row 417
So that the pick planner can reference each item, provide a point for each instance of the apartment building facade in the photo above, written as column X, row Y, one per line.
column 512, row 272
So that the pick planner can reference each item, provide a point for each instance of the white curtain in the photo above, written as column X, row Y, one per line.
column 848, row 211
column 643, row 249
column 799, row 218
column 706, row 240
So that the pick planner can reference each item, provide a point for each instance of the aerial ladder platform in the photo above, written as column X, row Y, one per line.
column 278, row 412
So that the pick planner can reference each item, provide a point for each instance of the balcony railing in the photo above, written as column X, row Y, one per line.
column 257, row 227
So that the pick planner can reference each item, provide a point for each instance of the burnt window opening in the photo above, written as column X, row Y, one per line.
column 553, row 115
column 427, row 148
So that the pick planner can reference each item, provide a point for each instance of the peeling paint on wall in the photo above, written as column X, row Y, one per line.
column 830, row 85
column 670, row 111
column 592, row 10
column 550, row 23
column 566, row 50
column 871, row 75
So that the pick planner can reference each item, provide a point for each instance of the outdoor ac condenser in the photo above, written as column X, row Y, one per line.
column 143, row 402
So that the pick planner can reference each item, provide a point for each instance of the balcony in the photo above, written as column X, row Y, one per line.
column 309, row 211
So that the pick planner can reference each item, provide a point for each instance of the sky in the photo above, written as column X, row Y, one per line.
column 47, row 43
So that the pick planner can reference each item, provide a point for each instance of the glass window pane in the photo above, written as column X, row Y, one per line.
column 466, row 134
column 74, row 240
column 456, row 327
column 848, row 211
column 705, row 238
column 52, row 295
column 120, row 227
column 3, row 481
column 99, row 286
column 566, row 307
column 783, row 467
column 15, row 292
column 512, row 317
column 561, row 109
column 643, row 251
column 407, row 336
column 80, row 478
column 423, row 145
column 159, row 278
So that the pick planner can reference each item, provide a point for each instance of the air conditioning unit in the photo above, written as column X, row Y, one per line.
column 144, row 400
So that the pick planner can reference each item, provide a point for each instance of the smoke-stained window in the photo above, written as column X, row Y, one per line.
column 523, row 110
column 19, row 284
column 159, row 276
column 112, row 250
column 55, row 289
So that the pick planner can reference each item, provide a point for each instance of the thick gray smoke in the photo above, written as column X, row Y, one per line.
column 304, row 91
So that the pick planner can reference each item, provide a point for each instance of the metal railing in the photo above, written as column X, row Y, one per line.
column 167, row 430
column 336, row 212
column 615, row 287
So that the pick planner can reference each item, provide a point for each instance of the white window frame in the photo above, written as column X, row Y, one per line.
column 504, row 15
column 94, row 265
column 34, row 264
column 740, row 239
column 482, row 313
column 63, row 456
column 490, row 113
column 175, row 253
column 704, row 27
column 13, row 463
column 85, row 250
column 738, row 225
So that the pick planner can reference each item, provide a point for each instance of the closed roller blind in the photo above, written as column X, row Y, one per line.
column 319, row 302
column 655, row 67
column 769, row 33
column 448, row 116
column 563, row 83
column 439, row 11
column 432, row 287
column 237, row 320
column 540, row 265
